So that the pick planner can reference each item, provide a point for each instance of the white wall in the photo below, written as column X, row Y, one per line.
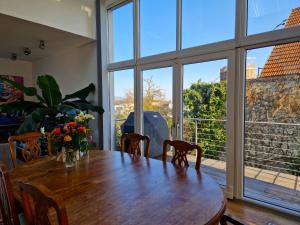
column 75, row 16
column 18, row 68
column 73, row 70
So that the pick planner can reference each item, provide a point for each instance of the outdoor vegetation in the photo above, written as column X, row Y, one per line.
column 201, row 101
column 154, row 100
column 205, row 108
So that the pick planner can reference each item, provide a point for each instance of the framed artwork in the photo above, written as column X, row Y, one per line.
column 9, row 94
column 9, row 123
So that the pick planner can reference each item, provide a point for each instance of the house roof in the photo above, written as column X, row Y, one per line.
column 284, row 59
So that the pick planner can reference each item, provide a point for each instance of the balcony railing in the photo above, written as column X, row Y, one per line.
column 273, row 146
column 271, row 157
column 210, row 134
column 267, row 145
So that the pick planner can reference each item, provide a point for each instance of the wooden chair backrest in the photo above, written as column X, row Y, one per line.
column 182, row 148
column 7, row 200
column 32, row 149
column 134, row 144
column 37, row 201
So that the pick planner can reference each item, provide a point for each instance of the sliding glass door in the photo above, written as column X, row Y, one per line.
column 272, row 125
column 204, row 100
column 122, row 105
column 157, row 107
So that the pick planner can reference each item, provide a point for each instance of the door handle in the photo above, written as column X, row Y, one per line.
column 175, row 130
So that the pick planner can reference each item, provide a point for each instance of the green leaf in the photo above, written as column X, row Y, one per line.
column 81, row 94
column 33, row 120
column 84, row 105
column 29, row 91
column 23, row 106
column 50, row 90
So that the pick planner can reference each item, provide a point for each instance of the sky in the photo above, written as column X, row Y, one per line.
column 203, row 22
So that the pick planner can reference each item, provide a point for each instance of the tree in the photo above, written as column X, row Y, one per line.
column 206, row 101
column 154, row 99
column 124, row 105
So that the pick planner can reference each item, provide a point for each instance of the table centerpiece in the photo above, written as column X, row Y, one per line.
column 74, row 137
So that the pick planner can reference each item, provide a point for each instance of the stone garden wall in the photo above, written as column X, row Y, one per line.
column 272, row 127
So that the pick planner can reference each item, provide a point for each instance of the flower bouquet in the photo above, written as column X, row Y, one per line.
column 84, row 119
column 73, row 137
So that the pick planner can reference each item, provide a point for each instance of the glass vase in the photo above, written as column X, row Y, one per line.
column 71, row 157
column 83, row 148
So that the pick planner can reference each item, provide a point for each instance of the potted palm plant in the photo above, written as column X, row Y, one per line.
column 50, row 107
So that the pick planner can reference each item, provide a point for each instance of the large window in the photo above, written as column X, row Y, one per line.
column 272, row 125
column 223, row 74
column 121, row 33
column 204, row 114
column 205, row 22
column 157, row 105
column 122, row 100
column 158, row 26
column 268, row 15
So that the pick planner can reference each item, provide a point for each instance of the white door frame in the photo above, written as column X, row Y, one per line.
column 231, row 104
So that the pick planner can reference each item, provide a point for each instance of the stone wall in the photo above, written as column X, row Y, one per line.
column 272, row 127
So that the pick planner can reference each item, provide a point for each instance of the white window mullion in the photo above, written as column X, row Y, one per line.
column 236, row 169
column 110, row 36
column 178, row 25
column 138, row 100
column 239, row 126
column 136, row 29
column 138, row 79
column 112, row 110
column 177, row 101
column 230, row 125
column 240, row 20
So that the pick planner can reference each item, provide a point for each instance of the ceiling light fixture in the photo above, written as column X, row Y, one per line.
column 27, row 51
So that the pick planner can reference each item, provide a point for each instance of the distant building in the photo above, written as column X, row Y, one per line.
column 250, row 72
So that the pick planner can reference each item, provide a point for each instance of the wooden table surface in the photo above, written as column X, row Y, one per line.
column 113, row 188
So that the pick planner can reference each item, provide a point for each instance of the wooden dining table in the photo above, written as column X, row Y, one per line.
column 108, row 188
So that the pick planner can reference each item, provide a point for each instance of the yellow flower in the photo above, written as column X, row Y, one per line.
column 67, row 138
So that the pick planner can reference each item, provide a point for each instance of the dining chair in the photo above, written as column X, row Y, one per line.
column 134, row 141
column 226, row 220
column 182, row 148
column 9, row 214
column 37, row 201
column 31, row 149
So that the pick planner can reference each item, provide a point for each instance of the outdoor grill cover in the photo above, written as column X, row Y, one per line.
column 155, row 126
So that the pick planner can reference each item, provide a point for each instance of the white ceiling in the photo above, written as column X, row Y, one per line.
column 16, row 34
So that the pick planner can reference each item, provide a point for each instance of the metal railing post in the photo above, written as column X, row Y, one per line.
column 196, row 133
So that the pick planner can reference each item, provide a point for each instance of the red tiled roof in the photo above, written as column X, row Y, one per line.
column 284, row 59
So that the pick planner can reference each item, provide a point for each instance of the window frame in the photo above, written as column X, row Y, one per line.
column 237, row 48
column 110, row 35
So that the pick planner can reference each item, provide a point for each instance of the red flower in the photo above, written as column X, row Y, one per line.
column 56, row 131
column 81, row 129
column 72, row 124
column 66, row 129
column 73, row 130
